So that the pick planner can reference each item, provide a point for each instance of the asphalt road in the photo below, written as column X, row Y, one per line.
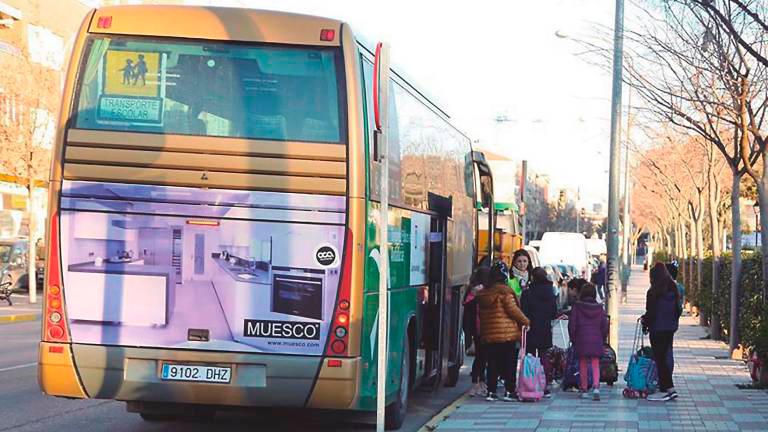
column 24, row 408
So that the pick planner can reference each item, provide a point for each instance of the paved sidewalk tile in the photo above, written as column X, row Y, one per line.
column 705, row 381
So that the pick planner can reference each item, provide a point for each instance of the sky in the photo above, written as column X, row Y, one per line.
column 486, row 60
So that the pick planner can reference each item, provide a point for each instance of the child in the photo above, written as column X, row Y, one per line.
column 588, row 328
column 471, row 325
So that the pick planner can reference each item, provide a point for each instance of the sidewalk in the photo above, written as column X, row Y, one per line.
column 705, row 380
column 21, row 310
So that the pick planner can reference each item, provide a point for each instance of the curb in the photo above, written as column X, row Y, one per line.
column 19, row 318
column 432, row 424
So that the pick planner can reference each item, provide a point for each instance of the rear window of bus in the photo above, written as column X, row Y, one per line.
column 210, row 88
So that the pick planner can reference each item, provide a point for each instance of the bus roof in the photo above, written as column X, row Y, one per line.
column 216, row 23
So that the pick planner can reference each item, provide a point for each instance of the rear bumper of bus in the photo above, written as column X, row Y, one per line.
column 258, row 380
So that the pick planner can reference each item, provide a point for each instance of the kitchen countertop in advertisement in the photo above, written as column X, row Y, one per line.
column 122, row 268
column 258, row 276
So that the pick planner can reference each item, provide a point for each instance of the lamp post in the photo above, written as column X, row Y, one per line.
column 613, row 180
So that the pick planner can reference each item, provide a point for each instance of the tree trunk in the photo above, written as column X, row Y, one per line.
column 762, row 193
column 733, row 334
column 32, row 254
column 714, row 322
column 699, row 242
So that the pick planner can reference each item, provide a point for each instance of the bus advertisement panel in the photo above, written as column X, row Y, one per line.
column 174, row 267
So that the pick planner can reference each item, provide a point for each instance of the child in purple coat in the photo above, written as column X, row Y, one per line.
column 588, row 328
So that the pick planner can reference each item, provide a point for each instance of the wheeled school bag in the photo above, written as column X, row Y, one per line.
column 531, row 380
column 553, row 359
column 553, row 362
column 571, row 372
column 641, row 376
column 609, row 368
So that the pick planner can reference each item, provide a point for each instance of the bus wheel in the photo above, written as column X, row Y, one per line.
column 453, row 375
column 454, row 371
column 394, row 415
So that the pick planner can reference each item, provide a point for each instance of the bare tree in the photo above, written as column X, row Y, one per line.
column 28, row 105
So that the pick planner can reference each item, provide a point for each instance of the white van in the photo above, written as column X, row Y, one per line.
column 596, row 247
column 565, row 248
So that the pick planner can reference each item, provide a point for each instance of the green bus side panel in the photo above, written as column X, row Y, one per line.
column 408, row 239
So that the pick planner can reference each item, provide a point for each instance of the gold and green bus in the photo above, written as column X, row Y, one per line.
column 214, row 218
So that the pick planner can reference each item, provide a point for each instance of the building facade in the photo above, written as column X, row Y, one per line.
column 33, row 40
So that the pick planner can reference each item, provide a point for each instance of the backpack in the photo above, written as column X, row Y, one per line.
column 641, row 376
column 609, row 369
column 531, row 379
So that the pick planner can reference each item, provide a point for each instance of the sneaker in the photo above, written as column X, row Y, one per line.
column 657, row 397
column 491, row 397
column 671, row 394
column 596, row 395
column 585, row 395
column 509, row 397
column 547, row 394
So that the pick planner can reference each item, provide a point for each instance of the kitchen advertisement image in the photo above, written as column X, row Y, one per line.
column 224, row 270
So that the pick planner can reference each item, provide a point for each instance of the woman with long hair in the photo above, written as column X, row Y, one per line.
column 522, row 268
column 661, row 319
column 539, row 304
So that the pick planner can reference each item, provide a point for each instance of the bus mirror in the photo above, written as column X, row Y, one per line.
column 381, row 85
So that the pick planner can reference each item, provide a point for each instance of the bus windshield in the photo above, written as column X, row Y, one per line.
column 209, row 88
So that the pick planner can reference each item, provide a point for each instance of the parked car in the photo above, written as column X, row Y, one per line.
column 561, row 284
column 566, row 248
column 14, row 256
column 535, row 244
column 566, row 271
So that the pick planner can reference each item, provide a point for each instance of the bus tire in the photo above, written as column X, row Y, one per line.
column 453, row 375
column 394, row 414
column 454, row 371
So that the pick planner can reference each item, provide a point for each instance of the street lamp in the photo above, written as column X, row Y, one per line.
column 756, row 209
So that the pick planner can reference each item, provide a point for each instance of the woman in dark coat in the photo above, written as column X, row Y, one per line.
column 539, row 304
column 662, row 314
column 588, row 328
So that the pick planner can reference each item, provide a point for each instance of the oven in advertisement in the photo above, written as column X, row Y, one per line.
column 298, row 292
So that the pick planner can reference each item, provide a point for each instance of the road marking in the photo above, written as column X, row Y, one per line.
column 19, row 317
column 433, row 423
column 18, row 367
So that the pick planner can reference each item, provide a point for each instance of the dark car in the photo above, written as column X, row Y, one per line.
column 14, row 256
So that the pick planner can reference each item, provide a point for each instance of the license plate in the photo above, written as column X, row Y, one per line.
column 213, row 374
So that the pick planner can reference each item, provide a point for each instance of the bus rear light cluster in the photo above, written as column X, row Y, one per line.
column 327, row 35
column 339, row 333
column 54, row 325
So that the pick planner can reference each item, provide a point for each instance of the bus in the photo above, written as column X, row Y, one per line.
column 214, row 213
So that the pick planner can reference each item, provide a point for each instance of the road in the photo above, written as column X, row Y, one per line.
column 25, row 408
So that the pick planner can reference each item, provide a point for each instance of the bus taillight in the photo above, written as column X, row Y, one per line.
column 54, row 324
column 339, row 337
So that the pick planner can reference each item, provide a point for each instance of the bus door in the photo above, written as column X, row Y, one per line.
column 435, row 317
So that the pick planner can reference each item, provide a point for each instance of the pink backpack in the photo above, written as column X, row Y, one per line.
column 531, row 379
